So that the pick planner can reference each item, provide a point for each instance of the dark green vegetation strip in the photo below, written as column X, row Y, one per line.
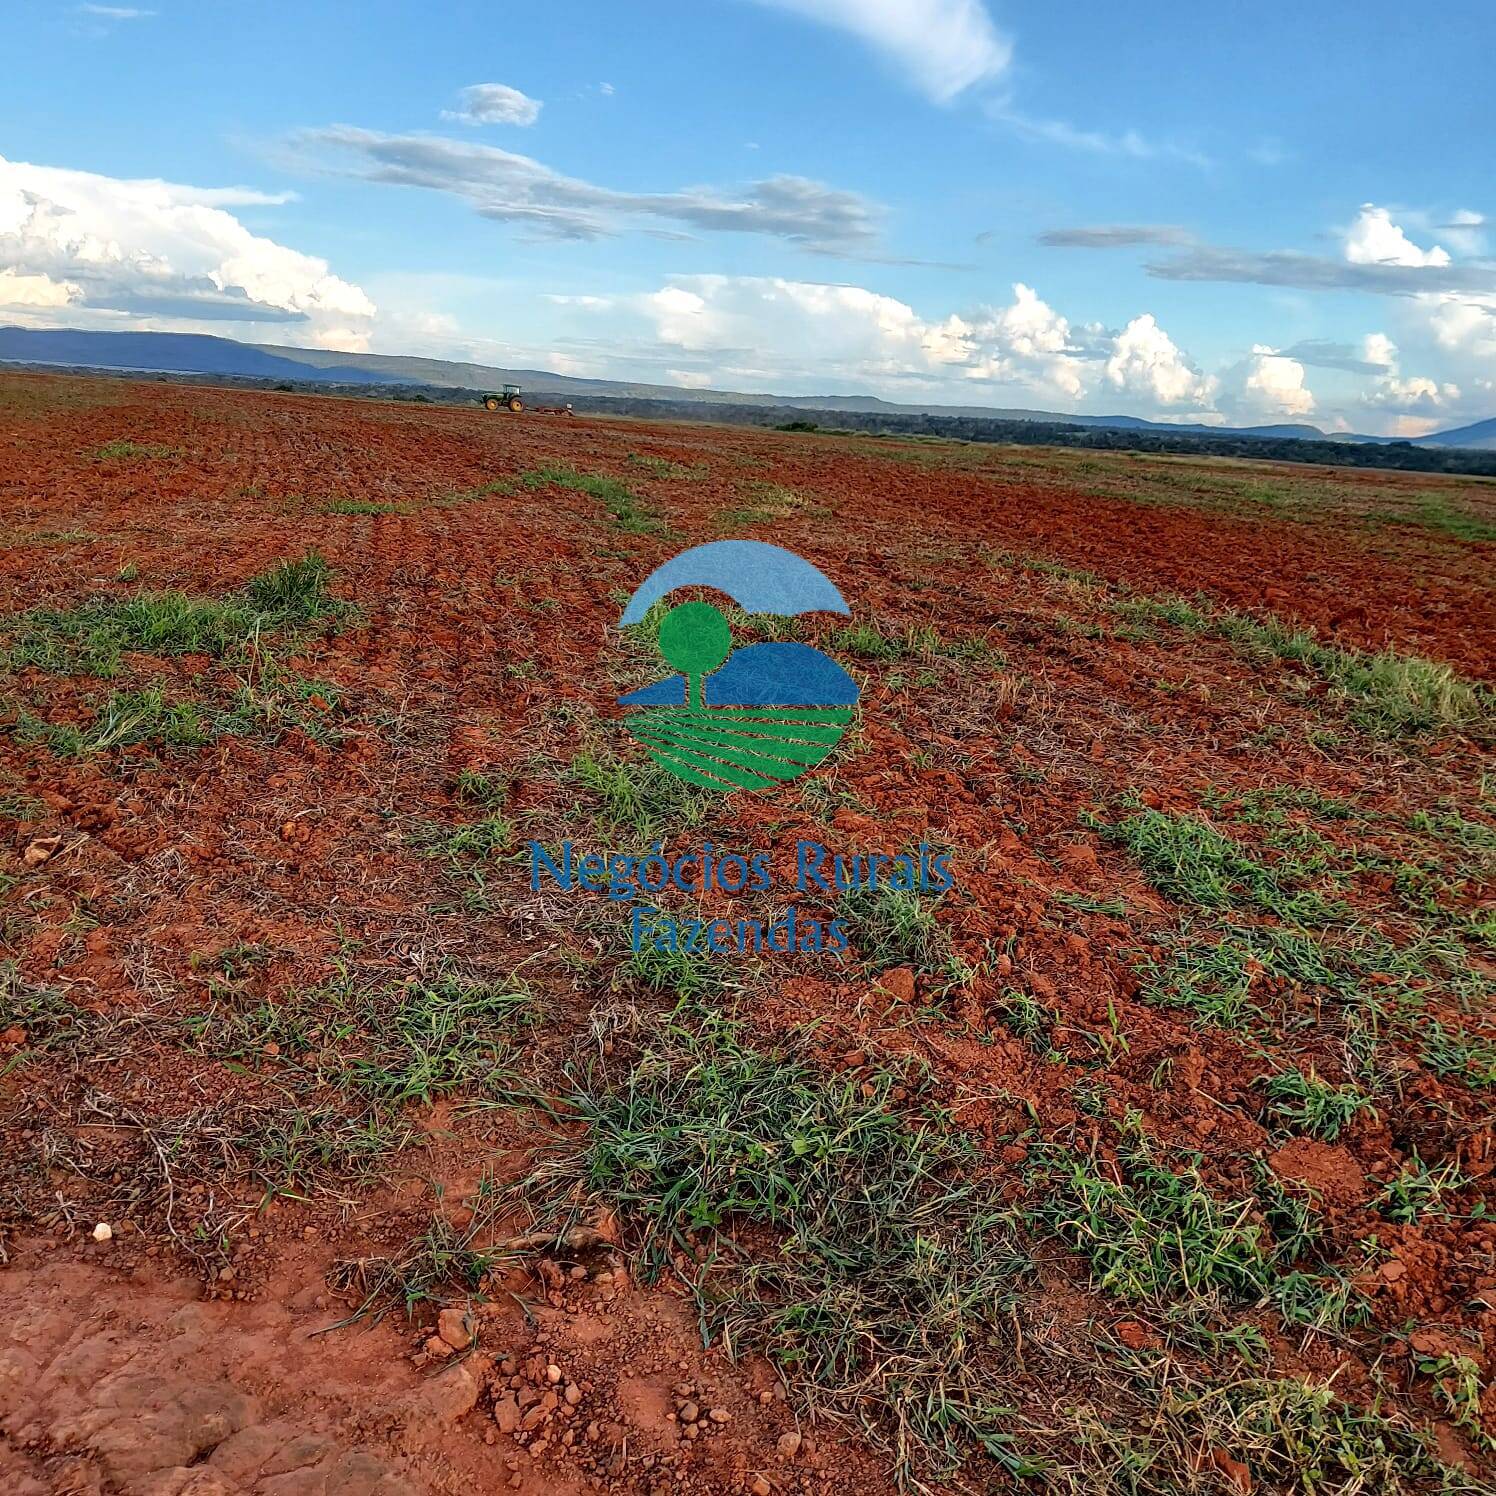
column 94, row 637
column 388, row 1044
column 89, row 639
column 1388, row 694
column 622, row 504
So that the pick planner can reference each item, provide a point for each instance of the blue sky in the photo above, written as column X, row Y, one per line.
column 1190, row 215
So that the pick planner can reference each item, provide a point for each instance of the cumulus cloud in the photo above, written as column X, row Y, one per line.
column 511, row 188
column 1026, row 343
column 801, row 337
column 102, row 246
column 494, row 104
column 35, row 290
column 1145, row 361
column 1379, row 351
column 1414, row 395
column 1266, row 386
column 1374, row 239
column 764, row 326
column 942, row 46
column 1452, row 329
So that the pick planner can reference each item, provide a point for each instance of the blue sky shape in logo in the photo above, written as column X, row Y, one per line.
column 758, row 577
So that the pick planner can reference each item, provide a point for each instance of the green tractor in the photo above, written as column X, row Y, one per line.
column 506, row 399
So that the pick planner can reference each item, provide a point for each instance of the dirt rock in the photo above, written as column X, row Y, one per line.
column 506, row 1413
column 1329, row 1170
column 439, row 1403
column 455, row 1327
column 898, row 984
column 41, row 850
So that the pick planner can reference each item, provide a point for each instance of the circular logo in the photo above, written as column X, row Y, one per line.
column 746, row 718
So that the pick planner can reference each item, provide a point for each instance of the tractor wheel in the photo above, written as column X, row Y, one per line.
column 491, row 403
column 515, row 403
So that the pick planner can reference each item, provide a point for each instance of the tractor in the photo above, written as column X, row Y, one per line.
column 507, row 399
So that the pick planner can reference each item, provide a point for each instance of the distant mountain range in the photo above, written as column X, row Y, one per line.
column 193, row 353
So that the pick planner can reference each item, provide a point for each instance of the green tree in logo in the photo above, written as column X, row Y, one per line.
column 730, row 744
column 695, row 638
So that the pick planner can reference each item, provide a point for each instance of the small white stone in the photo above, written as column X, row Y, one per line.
column 103, row 1231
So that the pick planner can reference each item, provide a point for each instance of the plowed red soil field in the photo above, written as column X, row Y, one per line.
column 342, row 1152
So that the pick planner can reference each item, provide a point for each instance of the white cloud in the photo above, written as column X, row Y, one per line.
column 1131, row 143
column 1026, row 343
column 1451, row 329
column 116, row 12
column 164, row 254
column 1378, row 348
column 1267, row 387
column 943, row 46
column 34, row 290
column 494, row 104
column 1414, row 395
column 1465, row 230
column 1145, row 361
column 1373, row 239
column 770, row 334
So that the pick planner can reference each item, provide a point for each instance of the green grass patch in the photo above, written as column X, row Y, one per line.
column 640, row 797
column 1421, row 1191
column 366, row 506
column 888, row 1267
column 481, row 789
column 866, row 641
column 1218, row 977
column 293, row 1151
column 1188, row 859
column 890, row 928
column 685, row 975
column 767, row 502
column 90, row 638
column 1388, row 694
column 621, row 503
column 663, row 467
column 1151, row 1229
column 1458, row 1054
column 388, row 1044
column 16, row 806
column 121, row 451
column 126, row 719
column 1305, row 1103
column 43, row 1015
column 1292, row 1437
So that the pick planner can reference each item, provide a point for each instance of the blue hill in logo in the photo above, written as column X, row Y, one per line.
column 761, row 675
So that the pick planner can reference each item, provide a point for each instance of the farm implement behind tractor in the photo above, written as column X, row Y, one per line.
column 508, row 398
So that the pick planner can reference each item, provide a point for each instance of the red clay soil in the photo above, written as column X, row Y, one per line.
column 193, row 1352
